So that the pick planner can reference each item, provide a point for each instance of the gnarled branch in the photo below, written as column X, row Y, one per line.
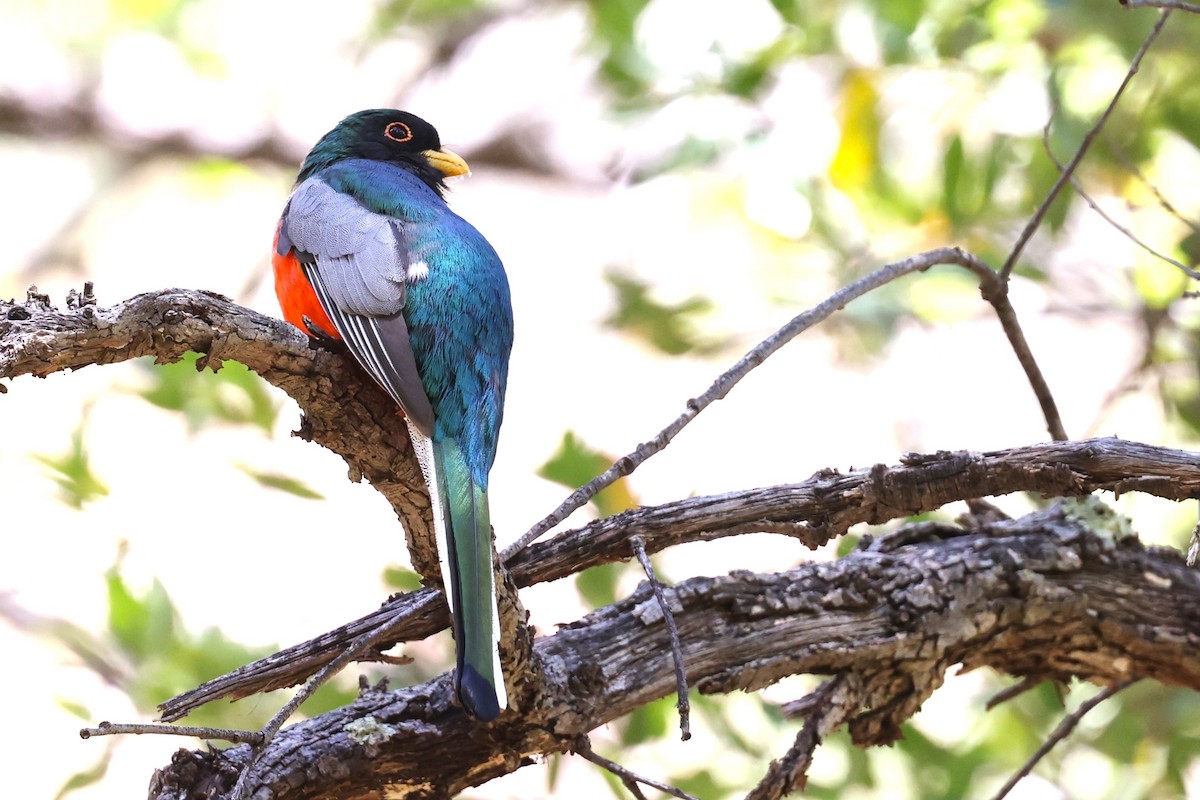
column 1041, row 596
column 343, row 409
column 1044, row 596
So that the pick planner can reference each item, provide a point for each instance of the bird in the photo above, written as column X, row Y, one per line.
column 368, row 252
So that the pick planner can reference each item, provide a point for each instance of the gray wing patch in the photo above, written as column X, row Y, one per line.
column 381, row 345
column 357, row 262
column 362, row 256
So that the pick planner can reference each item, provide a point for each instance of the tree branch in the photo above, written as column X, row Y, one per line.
column 1066, row 172
column 1062, row 731
column 1180, row 5
column 1040, row 596
column 821, row 508
column 993, row 287
column 343, row 410
column 824, row 711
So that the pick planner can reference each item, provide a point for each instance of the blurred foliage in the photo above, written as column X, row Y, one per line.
column 574, row 464
column 282, row 483
column 147, row 652
column 87, row 777
column 234, row 395
column 667, row 328
column 438, row 14
column 401, row 579
column 622, row 63
column 72, row 471
column 161, row 659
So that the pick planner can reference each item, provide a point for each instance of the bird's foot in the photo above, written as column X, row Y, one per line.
column 321, row 339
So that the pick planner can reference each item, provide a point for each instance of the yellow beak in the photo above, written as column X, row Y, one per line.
column 447, row 163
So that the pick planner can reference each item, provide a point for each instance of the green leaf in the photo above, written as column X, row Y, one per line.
column 75, row 709
column 855, row 164
column 952, row 176
column 400, row 579
column 283, row 483
column 1158, row 284
column 72, row 471
column 553, row 770
column 331, row 695
column 726, row 722
column 88, row 777
column 747, row 78
column 575, row 464
column 649, row 722
column 692, row 152
column 142, row 625
column 598, row 585
column 667, row 328
column 623, row 64
column 421, row 13
column 234, row 395
column 703, row 783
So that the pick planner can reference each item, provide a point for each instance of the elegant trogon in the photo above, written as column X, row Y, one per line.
column 367, row 251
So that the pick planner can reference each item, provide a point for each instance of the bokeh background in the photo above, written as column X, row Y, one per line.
column 668, row 181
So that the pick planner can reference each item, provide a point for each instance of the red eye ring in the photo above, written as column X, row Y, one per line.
column 398, row 132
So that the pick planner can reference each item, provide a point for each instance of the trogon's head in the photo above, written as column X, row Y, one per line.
column 389, row 135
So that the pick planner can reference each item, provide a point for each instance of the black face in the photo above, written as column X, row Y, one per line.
column 380, row 134
column 385, row 134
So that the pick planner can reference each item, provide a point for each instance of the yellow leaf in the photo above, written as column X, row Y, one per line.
column 858, row 151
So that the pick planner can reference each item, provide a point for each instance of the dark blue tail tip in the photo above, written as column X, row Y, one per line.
column 477, row 694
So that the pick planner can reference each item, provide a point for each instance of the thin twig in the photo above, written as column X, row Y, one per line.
column 355, row 649
column 824, row 710
column 1166, row 204
column 1087, row 198
column 224, row 734
column 1036, row 220
column 1022, row 686
column 1191, row 8
column 1020, row 346
column 993, row 291
column 681, row 685
column 1059, row 733
column 628, row 777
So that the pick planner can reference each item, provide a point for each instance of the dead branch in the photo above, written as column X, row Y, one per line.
column 1040, row 596
column 825, row 710
column 664, row 605
column 823, row 507
column 631, row 780
column 993, row 287
column 343, row 410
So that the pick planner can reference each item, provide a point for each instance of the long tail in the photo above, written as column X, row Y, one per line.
column 464, row 531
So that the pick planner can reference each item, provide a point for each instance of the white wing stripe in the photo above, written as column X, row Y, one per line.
column 367, row 347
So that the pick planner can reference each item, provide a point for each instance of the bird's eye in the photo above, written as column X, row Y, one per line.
column 398, row 132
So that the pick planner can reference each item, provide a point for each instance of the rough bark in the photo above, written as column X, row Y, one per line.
column 1041, row 596
column 1051, row 595
column 813, row 511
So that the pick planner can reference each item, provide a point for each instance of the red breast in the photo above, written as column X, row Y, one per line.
column 295, row 293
